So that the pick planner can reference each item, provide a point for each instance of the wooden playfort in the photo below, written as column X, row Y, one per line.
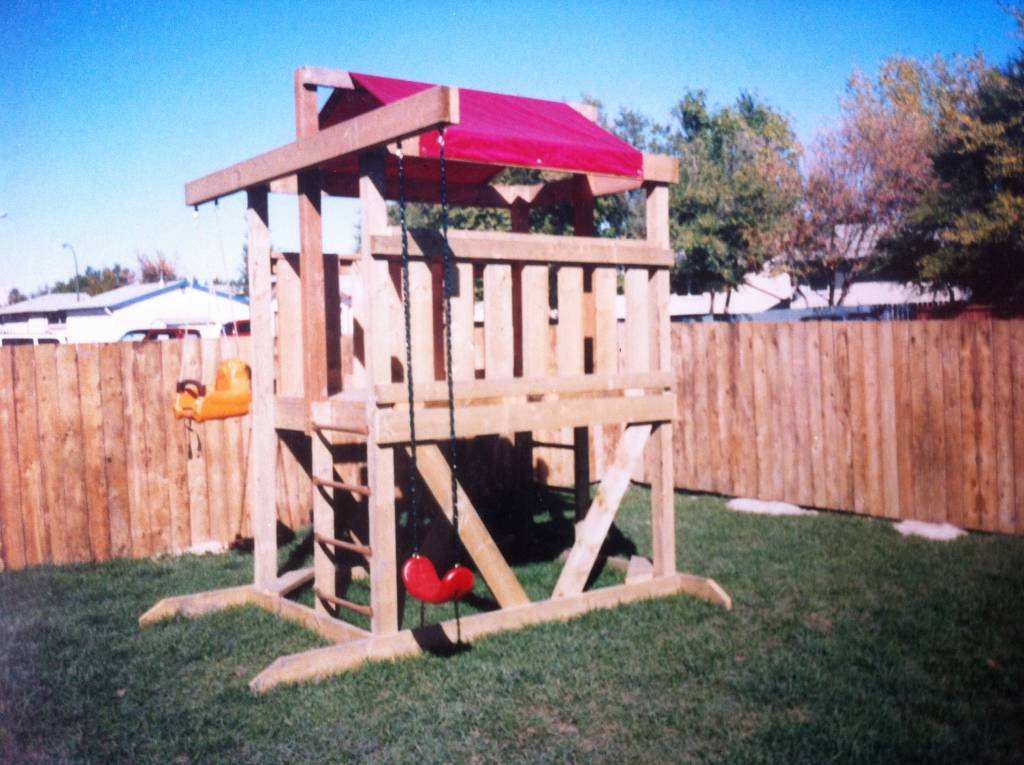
column 348, row 392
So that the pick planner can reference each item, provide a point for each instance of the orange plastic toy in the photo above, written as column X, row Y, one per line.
column 230, row 397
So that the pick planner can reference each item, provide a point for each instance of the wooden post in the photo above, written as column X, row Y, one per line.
column 263, row 442
column 519, row 215
column 380, row 461
column 324, row 574
column 661, row 470
column 583, row 225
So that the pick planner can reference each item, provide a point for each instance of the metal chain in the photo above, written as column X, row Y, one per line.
column 406, row 300
column 449, row 288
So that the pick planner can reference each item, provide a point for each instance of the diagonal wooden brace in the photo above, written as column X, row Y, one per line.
column 479, row 544
column 592, row 530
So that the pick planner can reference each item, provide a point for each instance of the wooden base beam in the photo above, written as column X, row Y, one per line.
column 333, row 660
column 203, row 603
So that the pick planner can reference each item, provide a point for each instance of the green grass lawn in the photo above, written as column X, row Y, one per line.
column 847, row 643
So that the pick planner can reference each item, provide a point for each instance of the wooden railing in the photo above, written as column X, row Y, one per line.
column 893, row 419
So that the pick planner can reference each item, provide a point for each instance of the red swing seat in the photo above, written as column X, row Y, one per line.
column 422, row 582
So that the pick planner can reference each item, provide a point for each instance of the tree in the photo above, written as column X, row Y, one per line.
column 866, row 176
column 155, row 268
column 93, row 281
column 15, row 296
column 739, row 185
column 969, row 232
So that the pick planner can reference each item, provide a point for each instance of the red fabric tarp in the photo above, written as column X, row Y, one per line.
column 494, row 129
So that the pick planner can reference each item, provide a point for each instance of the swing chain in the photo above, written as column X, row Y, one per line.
column 406, row 295
column 448, row 268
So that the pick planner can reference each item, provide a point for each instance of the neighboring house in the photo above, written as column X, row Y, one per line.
column 109, row 315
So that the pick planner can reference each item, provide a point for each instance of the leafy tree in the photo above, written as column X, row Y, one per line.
column 734, row 206
column 969, row 232
column 15, row 296
column 156, row 267
column 93, row 281
column 866, row 177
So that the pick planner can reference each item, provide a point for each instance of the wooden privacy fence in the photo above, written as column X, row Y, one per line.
column 906, row 419
column 93, row 464
column 920, row 420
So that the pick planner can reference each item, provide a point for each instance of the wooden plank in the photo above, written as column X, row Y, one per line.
column 95, row 465
column 791, row 450
column 725, row 403
column 518, row 387
column 491, row 246
column 744, row 423
column 1017, row 378
column 605, row 321
column 935, row 477
column 887, row 419
column 176, row 458
column 115, row 447
column 12, row 531
column 800, row 391
column 922, row 457
column 378, row 288
column 569, row 342
column 858, row 416
column 843, row 400
column 51, row 452
column 830, row 416
column 638, row 320
column 774, row 376
column 686, row 469
column 463, row 359
column 984, row 403
column 212, row 434
column 432, row 424
column 261, row 494
column 1001, row 416
column 383, row 564
column 33, row 497
column 235, row 455
column 154, row 444
column 422, row 315
column 872, row 411
column 289, row 322
column 593, row 529
column 314, row 288
column 816, row 416
column 401, row 119
column 901, row 364
column 499, row 351
column 953, row 492
column 191, row 367
column 762, row 412
column 324, row 522
column 479, row 544
column 332, row 660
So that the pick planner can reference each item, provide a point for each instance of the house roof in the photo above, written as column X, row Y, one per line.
column 494, row 130
column 67, row 302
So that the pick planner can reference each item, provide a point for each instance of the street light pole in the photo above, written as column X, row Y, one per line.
column 78, row 281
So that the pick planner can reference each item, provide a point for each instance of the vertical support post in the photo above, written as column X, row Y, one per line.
column 663, row 533
column 263, row 442
column 380, row 461
column 324, row 572
column 289, row 326
column 519, row 215
column 583, row 225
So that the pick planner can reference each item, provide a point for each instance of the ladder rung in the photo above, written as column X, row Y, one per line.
column 355, row 547
column 355, row 488
column 359, row 430
column 357, row 607
column 550, row 445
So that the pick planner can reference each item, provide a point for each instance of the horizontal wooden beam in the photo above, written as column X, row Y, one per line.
column 202, row 603
column 340, row 415
column 661, row 168
column 333, row 660
column 535, row 248
column 410, row 116
column 392, row 425
column 324, row 77
column 392, row 393
column 290, row 412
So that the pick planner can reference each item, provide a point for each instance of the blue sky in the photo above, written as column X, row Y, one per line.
column 109, row 108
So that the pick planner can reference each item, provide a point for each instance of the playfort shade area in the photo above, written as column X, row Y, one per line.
column 347, row 390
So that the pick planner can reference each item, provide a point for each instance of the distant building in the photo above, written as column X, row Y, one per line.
column 108, row 316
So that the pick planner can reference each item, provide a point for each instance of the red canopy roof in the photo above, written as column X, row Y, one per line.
column 494, row 130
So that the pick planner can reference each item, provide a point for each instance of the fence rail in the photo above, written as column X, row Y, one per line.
column 921, row 419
